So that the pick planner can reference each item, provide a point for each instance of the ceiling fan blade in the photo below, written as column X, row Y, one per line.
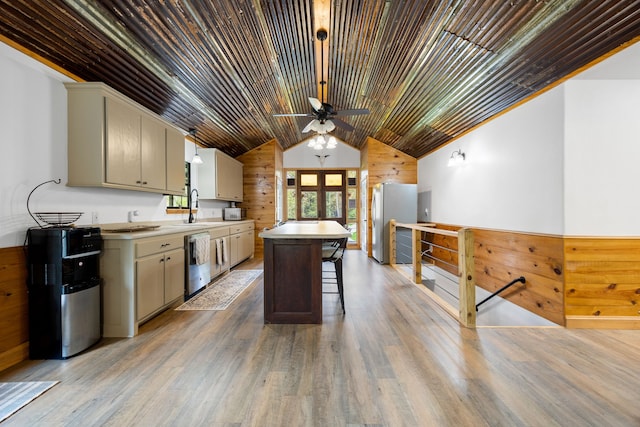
column 311, row 125
column 294, row 115
column 315, row 103
column 343, row 125
column 356, row 112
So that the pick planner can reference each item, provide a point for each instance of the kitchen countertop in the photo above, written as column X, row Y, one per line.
column 307, row 230
column 143, row 230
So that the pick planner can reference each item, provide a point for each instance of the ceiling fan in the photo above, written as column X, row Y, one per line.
column 324, row 115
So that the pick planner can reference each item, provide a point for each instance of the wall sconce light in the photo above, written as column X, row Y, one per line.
column 457, row 157
column 197, row 160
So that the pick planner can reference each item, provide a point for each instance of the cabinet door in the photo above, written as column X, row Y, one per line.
column 234, row 244
column 122, row 148
column 149, row 284
column 173, row 275
column 153, row 152
column 175, row 162
column 245, row 246
column 228, row 178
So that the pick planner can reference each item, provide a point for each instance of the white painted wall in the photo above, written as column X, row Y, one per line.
column 302, row 157
column 512, row 177
column 564, row 163
column 602, row 148
column 33, row 149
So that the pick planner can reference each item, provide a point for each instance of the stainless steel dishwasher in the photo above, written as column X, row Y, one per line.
column 198, row 271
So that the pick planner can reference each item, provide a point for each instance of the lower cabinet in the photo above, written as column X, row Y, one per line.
column 146, row 275
column 159, row 281
column 241, row 243
column 141, row 277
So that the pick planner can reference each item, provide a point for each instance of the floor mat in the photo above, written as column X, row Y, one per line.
column 15, row 395
column 219, row 295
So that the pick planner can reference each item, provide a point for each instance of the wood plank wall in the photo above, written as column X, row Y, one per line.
column 263, row 166
column 501, row 257
column 14, row 305
column 383, row 163
column 602, row 283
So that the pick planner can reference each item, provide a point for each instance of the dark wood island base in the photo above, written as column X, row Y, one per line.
column 293, row 270
column 292, row 281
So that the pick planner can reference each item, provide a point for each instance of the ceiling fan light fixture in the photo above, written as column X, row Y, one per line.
column 322, row 141
column 325, row 117
column 316, row 143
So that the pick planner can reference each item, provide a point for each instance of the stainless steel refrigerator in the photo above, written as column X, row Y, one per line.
column 392, row 201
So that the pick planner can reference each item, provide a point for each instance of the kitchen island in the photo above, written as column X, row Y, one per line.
column 293, row 270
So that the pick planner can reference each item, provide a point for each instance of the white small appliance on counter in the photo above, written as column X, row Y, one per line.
column 234, row 214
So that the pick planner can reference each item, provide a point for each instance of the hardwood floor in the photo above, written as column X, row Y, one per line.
column 394, row 359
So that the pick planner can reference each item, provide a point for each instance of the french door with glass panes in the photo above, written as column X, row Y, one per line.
column 322, row 195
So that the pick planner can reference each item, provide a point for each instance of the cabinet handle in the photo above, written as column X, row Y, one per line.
column 168, row 258
column 162, row 260
column 144, row 182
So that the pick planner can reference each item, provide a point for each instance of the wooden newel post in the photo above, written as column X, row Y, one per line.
column 416, row 249
column 467, row 281
column 392, row 241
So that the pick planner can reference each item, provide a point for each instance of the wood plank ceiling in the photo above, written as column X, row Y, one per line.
column 427, row 70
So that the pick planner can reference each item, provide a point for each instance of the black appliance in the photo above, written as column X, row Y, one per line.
column 64, row 290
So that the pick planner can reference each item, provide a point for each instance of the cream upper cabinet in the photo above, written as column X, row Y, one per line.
column 135, row 147
column 219, row 176
column 122, row 143
column 175, row 162
column 229, row 177
column 114, row 142
column 153, row 149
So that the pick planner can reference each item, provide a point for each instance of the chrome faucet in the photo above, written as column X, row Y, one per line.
column 190, row 202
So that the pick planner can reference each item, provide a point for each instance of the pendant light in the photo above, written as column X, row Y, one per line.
column 197, row 160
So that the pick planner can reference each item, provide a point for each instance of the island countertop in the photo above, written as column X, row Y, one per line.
column 307, row 230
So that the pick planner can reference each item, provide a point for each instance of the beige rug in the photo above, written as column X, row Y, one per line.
column 218, row 295
column 15, row 395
